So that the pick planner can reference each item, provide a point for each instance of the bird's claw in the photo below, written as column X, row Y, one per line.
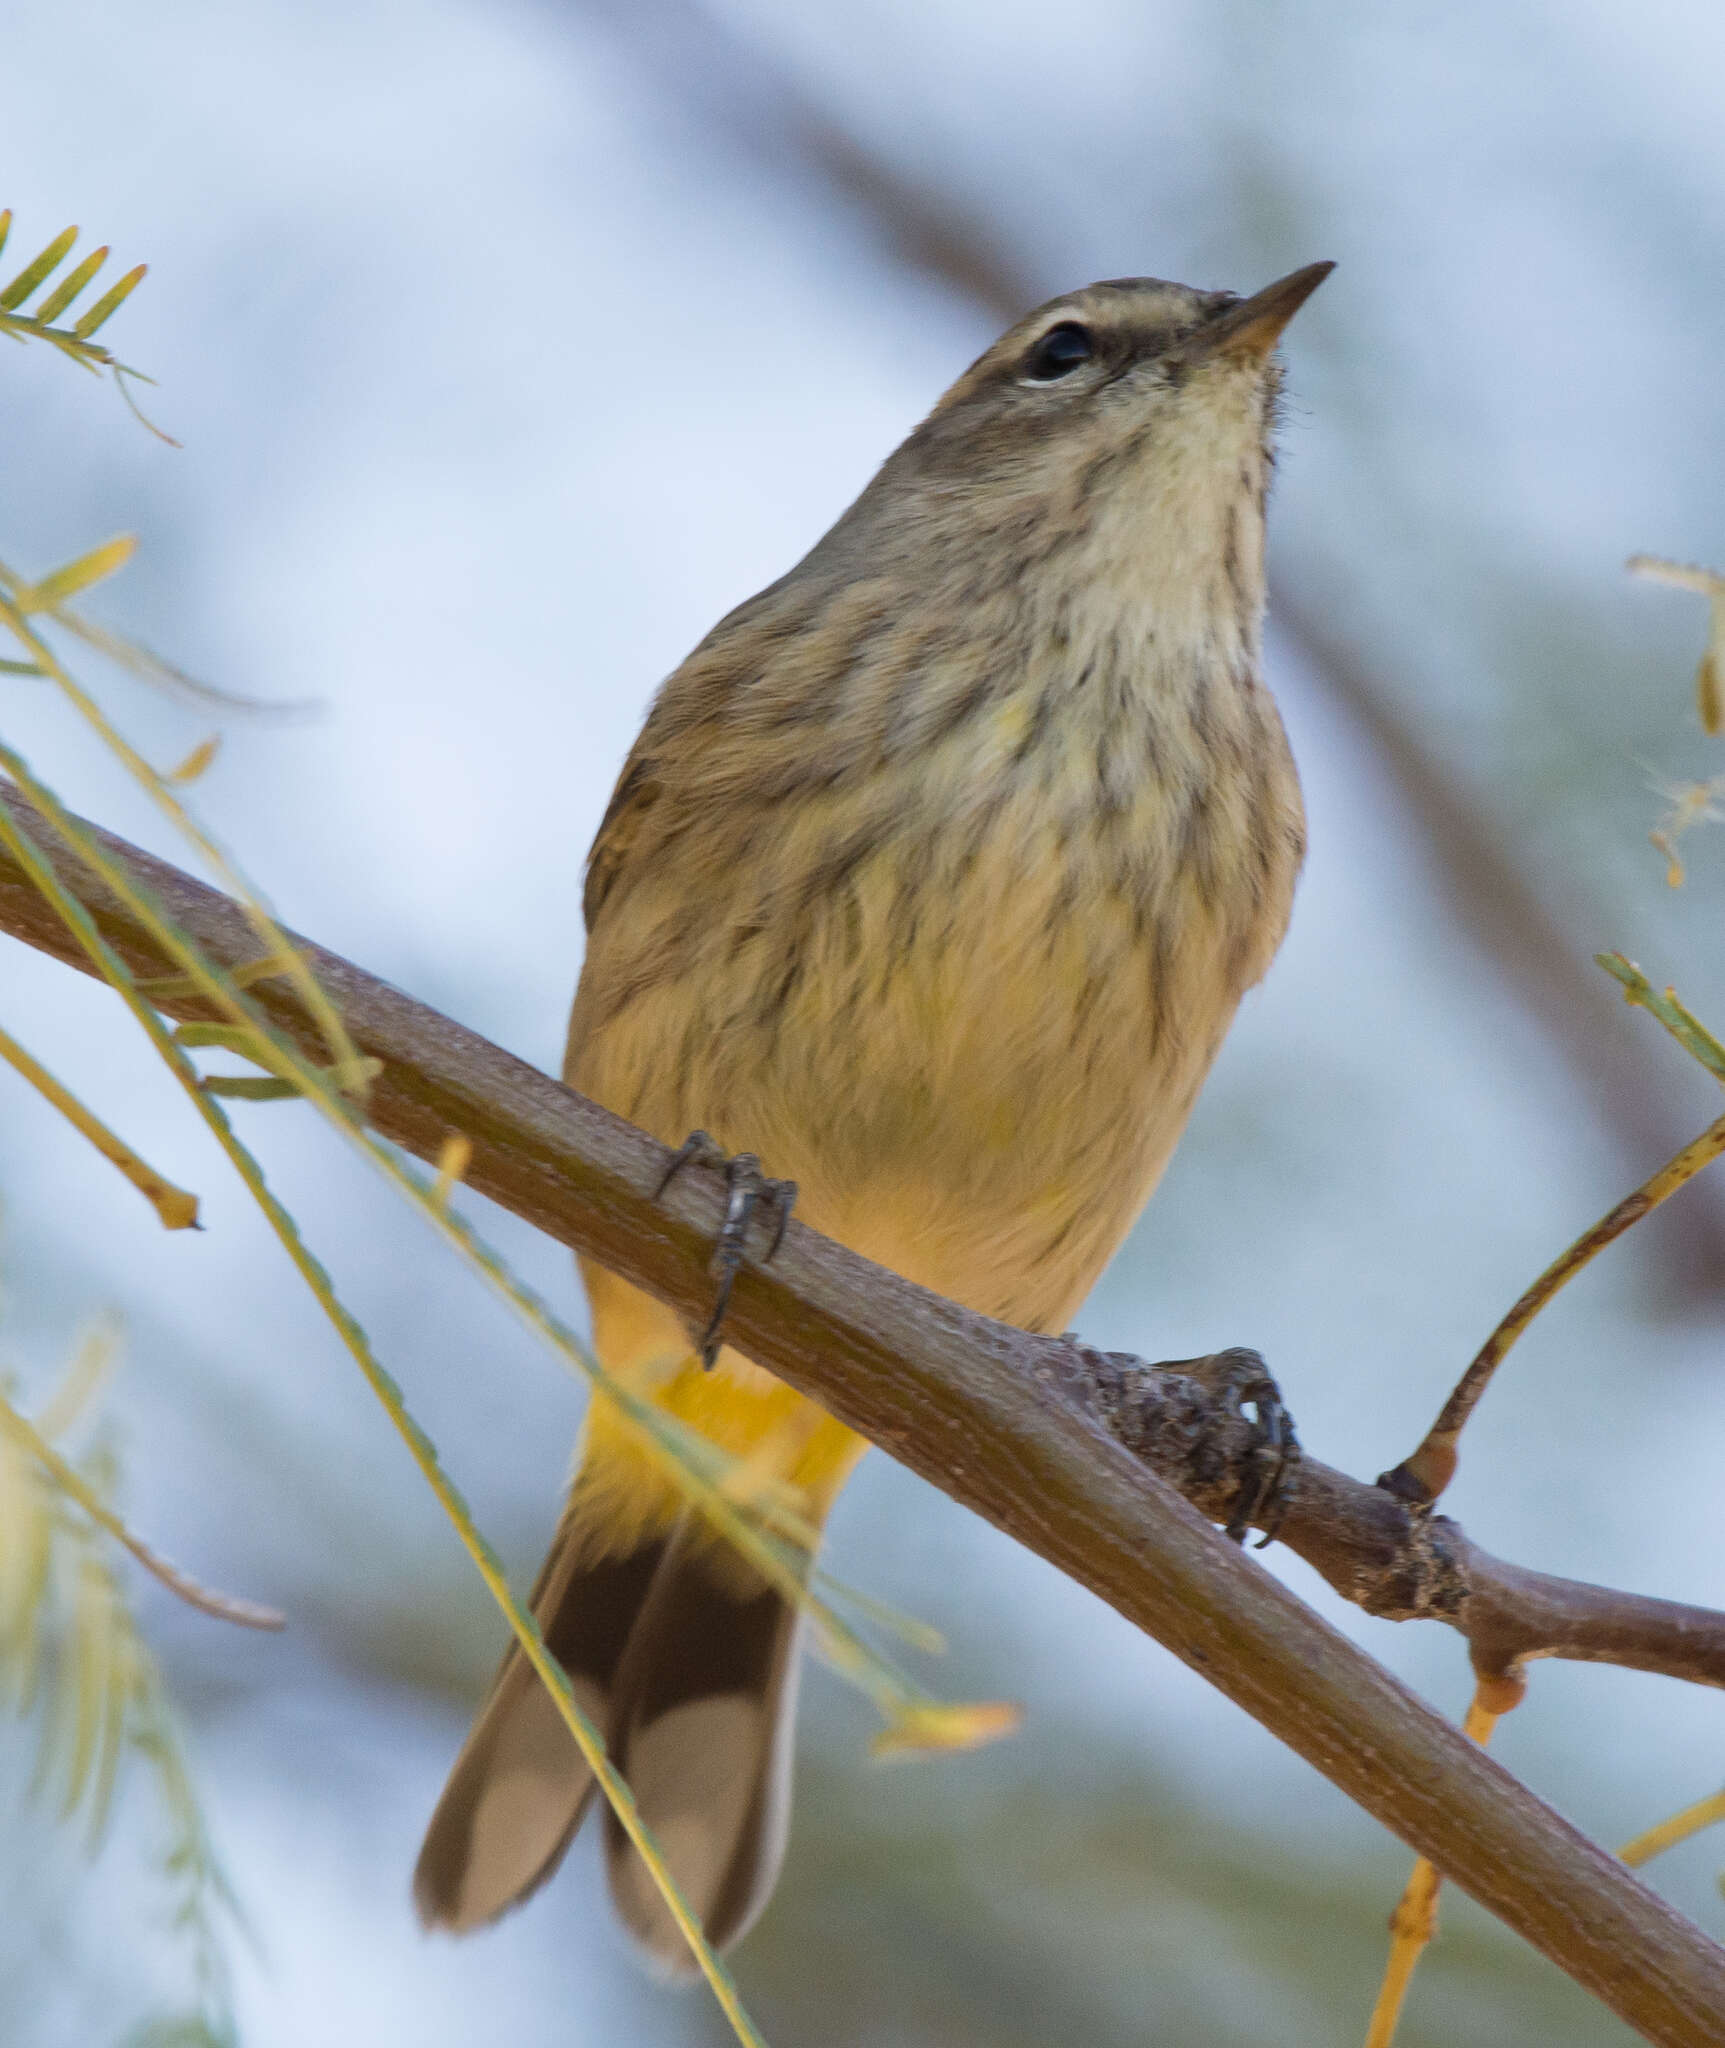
column 1243, row 1381
column 746, row 1188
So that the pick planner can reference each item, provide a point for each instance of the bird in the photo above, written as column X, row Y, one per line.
column 933, row 882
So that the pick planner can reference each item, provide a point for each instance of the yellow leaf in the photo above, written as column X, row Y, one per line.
column 35, row 271
column 87, row 1678
column 1680, row 575
column 197, row 760
column 72, row 577
column 453, row 1159
column 106, row 307
column 933, row 1725
column 1709, row 683
column 70, row 286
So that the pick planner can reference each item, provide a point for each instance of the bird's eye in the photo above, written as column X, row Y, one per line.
column 1060, row 351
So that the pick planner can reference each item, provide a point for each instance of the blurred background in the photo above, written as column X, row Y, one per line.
column 511, row 342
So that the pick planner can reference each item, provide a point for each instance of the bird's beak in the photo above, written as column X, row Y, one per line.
column 1254, row 326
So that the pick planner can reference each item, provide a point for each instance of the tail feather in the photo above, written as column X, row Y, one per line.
column 520, row 1786
column 686, row 1660
column 702, row 1720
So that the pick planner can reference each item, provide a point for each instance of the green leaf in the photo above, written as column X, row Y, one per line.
column 33, row 273
column 106, row 307
column 69, row 287
column 19, row 668
column 229, row 1037
column 250, row 1088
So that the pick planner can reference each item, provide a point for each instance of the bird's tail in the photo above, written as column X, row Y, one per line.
column 686, row 1659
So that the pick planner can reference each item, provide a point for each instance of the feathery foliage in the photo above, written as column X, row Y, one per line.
column 78, row 341
column 75, row 1667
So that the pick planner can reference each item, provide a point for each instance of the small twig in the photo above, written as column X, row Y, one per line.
column 1422, row 1477
column 1688, row 1030
column 1412, row 1925
column 1414, row 1921
column 1654, row 1841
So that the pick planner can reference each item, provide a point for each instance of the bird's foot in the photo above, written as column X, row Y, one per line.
column 1215, row 1427
column 747, row 1189
column 1240, row 1380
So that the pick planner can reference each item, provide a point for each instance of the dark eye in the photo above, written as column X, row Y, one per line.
column 1060, row 351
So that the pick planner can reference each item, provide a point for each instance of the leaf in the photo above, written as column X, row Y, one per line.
column 70, row 286
column 177, row 1209
column 26, row 1542
column 930, row 1725
column 124, row 1682
column 247, row 975
column 454, row 1157
column 88, row 1675
column 351, row 1075
column 197, row 760
column 1707, row 583
column 36, row 270
column 19, row 668
column 63, row 1611
column 1709, row 684
column 72, row 577
column 106, row 307
column 225, row 1038
column 251, row 1088
column 87, row 1371
column 143, row 661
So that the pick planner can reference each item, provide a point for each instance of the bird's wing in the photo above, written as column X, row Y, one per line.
column 638, row 790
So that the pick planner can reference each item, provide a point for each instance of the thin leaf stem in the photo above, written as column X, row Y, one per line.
column 223, row 1606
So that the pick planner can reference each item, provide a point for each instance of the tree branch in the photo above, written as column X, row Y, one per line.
column 1076, row 1454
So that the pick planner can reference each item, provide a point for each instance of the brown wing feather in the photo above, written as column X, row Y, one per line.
column 638, row 790
column 688, row 748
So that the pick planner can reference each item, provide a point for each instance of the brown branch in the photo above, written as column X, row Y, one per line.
column 752, row 98
column 1371, row 1547
column 1068, row 1450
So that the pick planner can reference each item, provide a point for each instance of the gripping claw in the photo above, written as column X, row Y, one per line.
column 746, row 1189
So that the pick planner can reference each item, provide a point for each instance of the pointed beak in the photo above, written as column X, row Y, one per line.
column 1254, row 326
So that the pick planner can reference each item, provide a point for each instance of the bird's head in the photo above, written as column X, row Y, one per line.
column 1134, row 364
column 1119, row 438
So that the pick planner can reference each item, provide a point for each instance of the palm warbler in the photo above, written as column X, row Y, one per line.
column 934, row 879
